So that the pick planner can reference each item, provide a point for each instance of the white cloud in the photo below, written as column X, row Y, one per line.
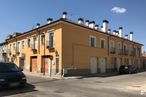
column 118, row 10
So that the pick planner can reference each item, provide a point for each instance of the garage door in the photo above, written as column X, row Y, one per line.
column 45, row 62
column 34, row 64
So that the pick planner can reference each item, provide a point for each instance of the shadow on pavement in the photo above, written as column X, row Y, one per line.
column 17, row 90
column 105, row 75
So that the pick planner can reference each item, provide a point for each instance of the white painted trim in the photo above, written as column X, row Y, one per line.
column 104, row 42
column 91, row 36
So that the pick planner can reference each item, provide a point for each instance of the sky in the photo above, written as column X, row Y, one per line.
column 22, row 15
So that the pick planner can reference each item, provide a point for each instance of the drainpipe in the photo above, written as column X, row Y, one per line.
column 108, row 46
column 44, row 53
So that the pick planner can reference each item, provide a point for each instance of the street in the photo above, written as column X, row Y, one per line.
column 132, row 85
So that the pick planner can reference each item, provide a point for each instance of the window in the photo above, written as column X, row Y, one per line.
column 130, row 48
column 10, row 46
column 112, row 47
column 112, row 44
column 57, row 63
column 92, row 41
column 51, row 39
column 120, row 45
column 35, row 43
column 28, row 43
column 13, row 45
column 18, row 46
column 102, row 43
column 42, row 38
column 139, row 51
column 119, row 48
column 23, row 44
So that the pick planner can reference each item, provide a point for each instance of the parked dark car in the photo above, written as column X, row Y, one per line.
column 127, row 69
column 11, row 75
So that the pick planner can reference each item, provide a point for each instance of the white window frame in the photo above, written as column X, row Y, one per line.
column 50, row 32
column 23, row 44
column 42, row 43
column 90, row 44
column 104, row 42
column 35, row 42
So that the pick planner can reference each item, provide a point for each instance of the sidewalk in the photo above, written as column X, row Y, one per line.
column 27, row 73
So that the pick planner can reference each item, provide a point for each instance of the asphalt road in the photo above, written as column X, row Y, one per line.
column 133, row 85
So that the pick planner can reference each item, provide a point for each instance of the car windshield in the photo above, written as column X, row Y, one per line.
column 8, row 67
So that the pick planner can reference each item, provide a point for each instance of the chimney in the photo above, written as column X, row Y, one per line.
column 105, row 26
column 64, row 15
column 80, row 21
column 117, row 33
column 120, row 31
column 87, row 23
column 38, row 25
column 131, row 36
column 114, row 32
column 96, row 27
column 101, row 28
column 109, row 31
column 92, row 24
column 49, row 20
column 126, row 36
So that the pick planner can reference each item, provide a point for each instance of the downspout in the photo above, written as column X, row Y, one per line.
column 108, row 47
column 44, row 53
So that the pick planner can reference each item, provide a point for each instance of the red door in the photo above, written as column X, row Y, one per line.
column 33, row 64
column 45, row 62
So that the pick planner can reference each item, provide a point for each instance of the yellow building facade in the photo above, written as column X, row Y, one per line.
column 64, row 47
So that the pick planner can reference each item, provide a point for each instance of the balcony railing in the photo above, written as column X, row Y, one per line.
column 112, row 50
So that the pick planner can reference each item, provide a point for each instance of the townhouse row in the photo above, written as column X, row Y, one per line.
column 64, row 47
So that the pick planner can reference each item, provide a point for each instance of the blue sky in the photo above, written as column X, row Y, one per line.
column 22, row 15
